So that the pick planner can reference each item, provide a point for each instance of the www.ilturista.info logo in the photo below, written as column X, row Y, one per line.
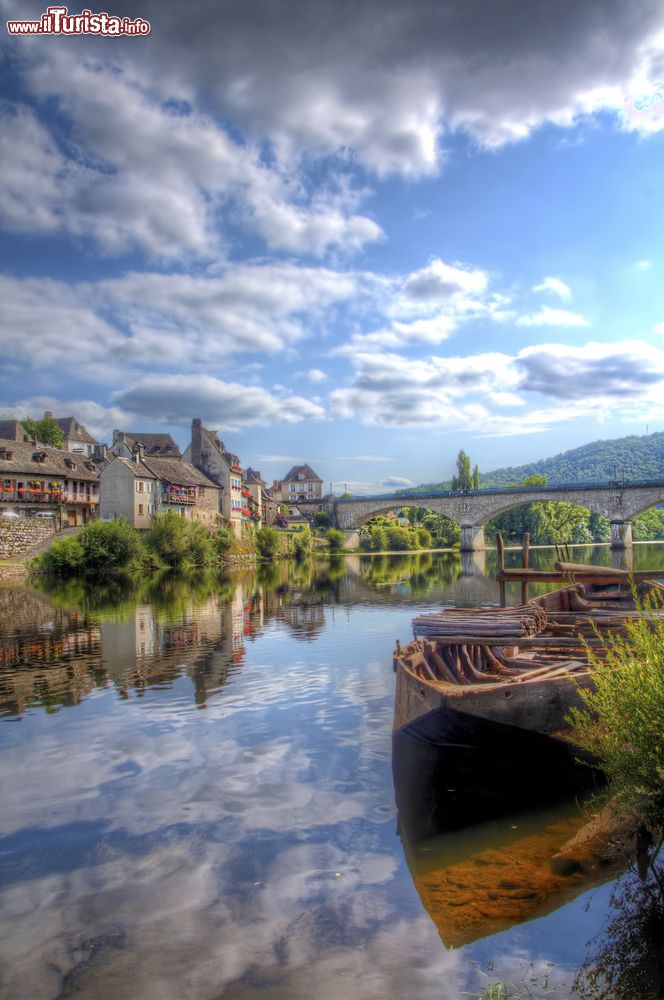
column 58, row 21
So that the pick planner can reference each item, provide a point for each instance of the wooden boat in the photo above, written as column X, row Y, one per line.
column 520, row 666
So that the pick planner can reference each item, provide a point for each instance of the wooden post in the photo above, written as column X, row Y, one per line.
column 500, row 546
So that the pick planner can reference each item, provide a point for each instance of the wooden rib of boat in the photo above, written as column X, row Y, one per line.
column 519, row 666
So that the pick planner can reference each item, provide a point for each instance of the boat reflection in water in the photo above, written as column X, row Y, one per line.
column 491, row 834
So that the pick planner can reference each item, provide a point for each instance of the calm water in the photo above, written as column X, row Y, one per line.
column 197, row 797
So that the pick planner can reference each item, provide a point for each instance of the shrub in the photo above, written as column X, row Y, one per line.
column 321, row 519
column 622, row 719
column 168, row 538
column 302, row 543
column 399, row 539
column 424, row 539
column 63, row 558
column 109, row 545
column 200, row 549
column 336, row 539
column 222, row 541
column 267, row 542
column 281, row 521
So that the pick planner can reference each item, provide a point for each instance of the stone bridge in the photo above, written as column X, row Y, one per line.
column 471, row 509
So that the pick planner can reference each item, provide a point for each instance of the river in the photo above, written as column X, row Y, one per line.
column 197, row 797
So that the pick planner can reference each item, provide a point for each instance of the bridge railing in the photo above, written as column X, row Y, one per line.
column 403, row 498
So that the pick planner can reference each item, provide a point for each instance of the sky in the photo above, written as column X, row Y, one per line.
column 362, row 235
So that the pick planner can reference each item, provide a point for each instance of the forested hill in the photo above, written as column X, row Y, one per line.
column 634, row 457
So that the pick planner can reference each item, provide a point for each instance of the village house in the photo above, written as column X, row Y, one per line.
column 210, row 455
column 13, row 430
column 301, row 484
column 154, row 445
column 262, row 495
column 139, row 488
column 77, row 439
column 37, row 479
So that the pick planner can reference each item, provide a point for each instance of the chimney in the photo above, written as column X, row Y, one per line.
column 116, row 435
column 197, row 443
column 137, row 450
column 47, row 413
column 275, row 486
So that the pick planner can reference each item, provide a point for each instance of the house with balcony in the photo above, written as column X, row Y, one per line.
column 301, row 484
column 139, row 488
column 37, row 479
column 208, row 453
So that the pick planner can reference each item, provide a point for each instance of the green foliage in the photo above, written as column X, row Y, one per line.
column 200, row 548
column 267, row 542
column 63, row 558
column 222, row 541
column 622, row 721
column 336, row 539
column 109, row 545
column 302, row 542
column 632, row 458
column 321, row 519
column 648, row 526
column 168, row 539
column 425, row 530
column 400, row 539
column 47, row 430
column 463, row 479
column 424, row 539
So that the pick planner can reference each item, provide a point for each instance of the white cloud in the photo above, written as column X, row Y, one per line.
column 316, row 375
column 397, row 481
column 552, row 317
column 556, row 287
column 643, row 265
column 159, row 320
column 227, row 406
column 477, row 392
column 659, row 328
column 302, row 81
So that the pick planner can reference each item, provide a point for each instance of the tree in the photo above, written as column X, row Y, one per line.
column 463, row 479
column 47, row 430
column 336, row 538
column 267, row 542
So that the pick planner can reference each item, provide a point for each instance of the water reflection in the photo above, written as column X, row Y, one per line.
column 153, row 848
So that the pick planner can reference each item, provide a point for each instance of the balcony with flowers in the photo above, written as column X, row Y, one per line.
column 179, row 494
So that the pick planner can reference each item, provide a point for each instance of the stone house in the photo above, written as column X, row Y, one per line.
column 139, row 488
column 208, row 453
column 13, row 430
column 263, row 496
column 36, row 479
column 77, row 439
column 301, row 484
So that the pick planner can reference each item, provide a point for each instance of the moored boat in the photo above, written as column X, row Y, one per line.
column 523, row 666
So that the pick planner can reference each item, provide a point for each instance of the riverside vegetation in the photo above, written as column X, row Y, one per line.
column 171, row 542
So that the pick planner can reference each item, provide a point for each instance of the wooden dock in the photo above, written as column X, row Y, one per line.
column 525, row 575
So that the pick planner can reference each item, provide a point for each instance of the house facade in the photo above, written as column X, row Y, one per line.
column 139, row 488
column 208, row 453
column 78, row 440
column 39, row 480
column 301, row 484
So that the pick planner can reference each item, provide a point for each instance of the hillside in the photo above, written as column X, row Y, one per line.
column 634, row 457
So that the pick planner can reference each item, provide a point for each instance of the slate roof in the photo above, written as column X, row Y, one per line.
column 13, row 430
column 23, row 462
column 180, row 473
column 73, row 431
column 219, row 444
column 138, row 471
column 306, row 470
column 252, row 476
column 159, row 445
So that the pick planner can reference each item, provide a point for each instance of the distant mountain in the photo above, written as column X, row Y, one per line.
column 634, row 457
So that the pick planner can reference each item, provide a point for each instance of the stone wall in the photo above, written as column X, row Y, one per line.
column 207, row 507
column 19, row 534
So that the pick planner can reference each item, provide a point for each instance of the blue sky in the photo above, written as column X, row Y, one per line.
column 362, row 235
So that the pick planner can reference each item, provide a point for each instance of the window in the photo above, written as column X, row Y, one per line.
column 140, row 486
column 140, row 508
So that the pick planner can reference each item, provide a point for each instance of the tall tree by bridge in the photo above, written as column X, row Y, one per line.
column 464, row 477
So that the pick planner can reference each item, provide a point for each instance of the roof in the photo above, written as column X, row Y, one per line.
column 154, row 444
column 73, row 431
column 139, row 471
column 220, row 446
column 252, row 476
column 180, row 473
column 305, row 470
column 55, row 464
column 13, row 430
